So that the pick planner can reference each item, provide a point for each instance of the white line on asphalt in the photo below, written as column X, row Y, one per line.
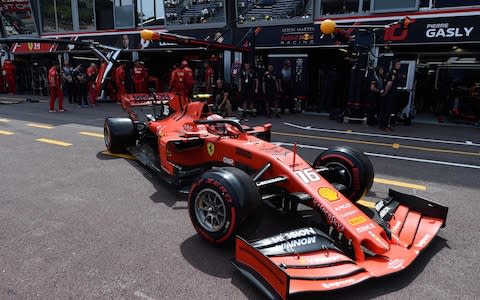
column 142, row 295
column 435, row 162
column 397, row 137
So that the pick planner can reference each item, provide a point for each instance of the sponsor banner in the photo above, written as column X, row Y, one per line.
column 24, row 48
column 289, row 36
column 422, row 31
column 272, row 36
column 432, row 31
column 419, row 31
column 131, row 40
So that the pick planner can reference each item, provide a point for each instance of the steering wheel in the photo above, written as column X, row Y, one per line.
column 161, row 106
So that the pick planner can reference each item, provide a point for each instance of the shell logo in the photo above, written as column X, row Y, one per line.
column 328, row 194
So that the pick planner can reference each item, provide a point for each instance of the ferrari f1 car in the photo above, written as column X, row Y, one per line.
column 233, row 169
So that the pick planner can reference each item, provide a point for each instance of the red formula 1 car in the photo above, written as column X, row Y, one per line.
column 233, row 169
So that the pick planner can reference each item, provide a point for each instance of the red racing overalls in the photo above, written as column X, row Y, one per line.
column 55, row 88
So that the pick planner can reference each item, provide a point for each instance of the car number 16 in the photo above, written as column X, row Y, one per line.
column 308, row 175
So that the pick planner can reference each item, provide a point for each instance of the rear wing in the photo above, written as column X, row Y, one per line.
column 130, row 101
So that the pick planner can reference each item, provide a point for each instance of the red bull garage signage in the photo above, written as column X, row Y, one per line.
column 303, row 35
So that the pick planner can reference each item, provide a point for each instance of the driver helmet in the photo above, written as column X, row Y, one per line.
column 214, row 117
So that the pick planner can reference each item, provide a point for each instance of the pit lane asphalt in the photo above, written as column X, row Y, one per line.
column 75, row 223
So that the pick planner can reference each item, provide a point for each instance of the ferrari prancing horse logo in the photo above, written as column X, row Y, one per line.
column 210, row 149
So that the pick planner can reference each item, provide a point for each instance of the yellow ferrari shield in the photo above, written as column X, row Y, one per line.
column 210, row 149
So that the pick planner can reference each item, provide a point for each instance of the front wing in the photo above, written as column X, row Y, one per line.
column 309, row 260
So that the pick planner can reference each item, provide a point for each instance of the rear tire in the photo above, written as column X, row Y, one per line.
column 354, row 170
column 221, row 203
column 119, row 133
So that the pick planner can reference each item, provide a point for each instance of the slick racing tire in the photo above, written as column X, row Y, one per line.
column 222, row 203
column 118, row 134
column 350, row 168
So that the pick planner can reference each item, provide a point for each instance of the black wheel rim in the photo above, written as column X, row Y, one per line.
column 341, row 176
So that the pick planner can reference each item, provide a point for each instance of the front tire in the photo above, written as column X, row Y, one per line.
column 119, row 133
column 350, row 168
column 221, row 201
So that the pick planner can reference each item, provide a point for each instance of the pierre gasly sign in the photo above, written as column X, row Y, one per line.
column 443, row 30
column 438, row 30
